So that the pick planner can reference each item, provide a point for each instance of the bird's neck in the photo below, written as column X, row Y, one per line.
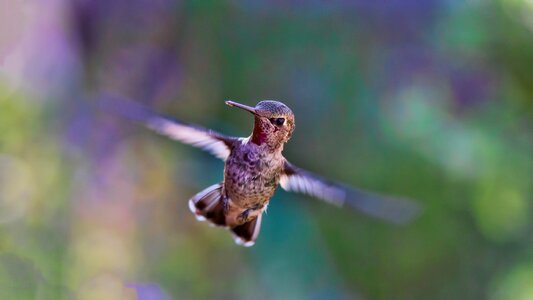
column 259, row 136
column 262, row 138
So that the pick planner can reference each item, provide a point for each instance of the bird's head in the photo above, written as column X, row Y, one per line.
column 274, row 122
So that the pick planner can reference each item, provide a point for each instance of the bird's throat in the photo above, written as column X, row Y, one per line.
column 263, row 139
column 259, row 137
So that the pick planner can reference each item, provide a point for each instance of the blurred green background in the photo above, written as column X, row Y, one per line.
column 431, row 100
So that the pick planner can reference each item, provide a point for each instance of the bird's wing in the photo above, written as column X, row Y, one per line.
column 388, row 208
column 213, row 142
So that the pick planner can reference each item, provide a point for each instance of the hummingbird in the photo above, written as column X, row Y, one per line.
column 255, row 167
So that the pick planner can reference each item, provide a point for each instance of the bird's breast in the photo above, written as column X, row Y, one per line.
column 251, row 176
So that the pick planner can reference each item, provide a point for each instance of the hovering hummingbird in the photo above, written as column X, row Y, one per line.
column 255, row 166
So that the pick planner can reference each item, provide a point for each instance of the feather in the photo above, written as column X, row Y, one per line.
column 208, row 140
column 395, row 210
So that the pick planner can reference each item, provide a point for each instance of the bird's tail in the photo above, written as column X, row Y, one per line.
column 246, row 234
column 209, row 205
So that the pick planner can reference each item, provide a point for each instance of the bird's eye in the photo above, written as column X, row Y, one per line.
column 277, row 121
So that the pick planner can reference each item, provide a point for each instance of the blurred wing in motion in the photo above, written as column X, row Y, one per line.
column 391, row 209
column 213, row 142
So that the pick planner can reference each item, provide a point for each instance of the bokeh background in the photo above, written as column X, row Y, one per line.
column 431, row 100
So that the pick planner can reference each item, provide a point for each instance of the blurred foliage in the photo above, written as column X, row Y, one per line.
column 426, row 99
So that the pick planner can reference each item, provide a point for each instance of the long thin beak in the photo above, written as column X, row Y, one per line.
column 242, row 106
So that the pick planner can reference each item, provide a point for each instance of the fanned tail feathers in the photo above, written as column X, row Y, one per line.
column 209, row 205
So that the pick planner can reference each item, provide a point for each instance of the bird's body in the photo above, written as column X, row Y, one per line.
column 255, row 167
column 251, row 176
